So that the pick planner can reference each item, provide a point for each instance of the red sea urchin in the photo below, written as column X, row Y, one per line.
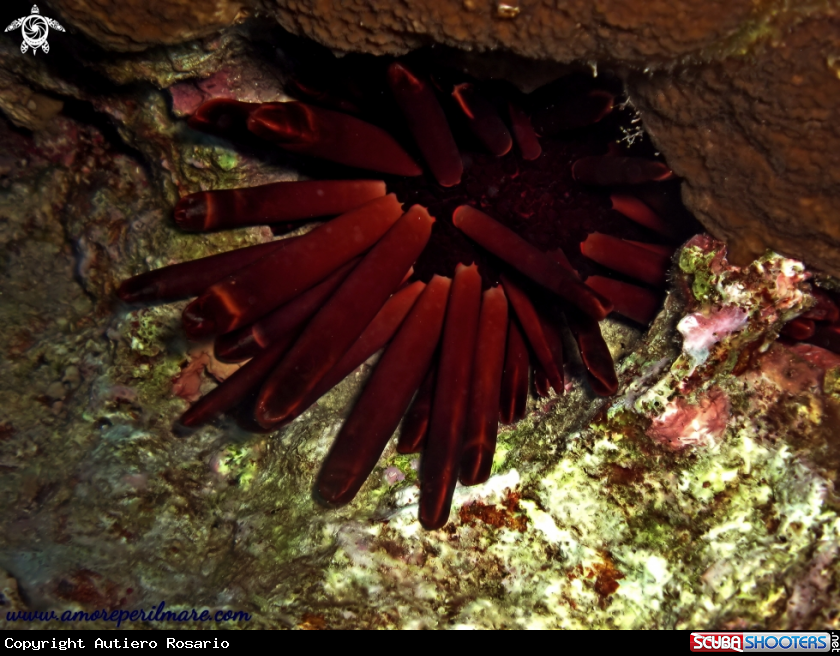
column 464, row 301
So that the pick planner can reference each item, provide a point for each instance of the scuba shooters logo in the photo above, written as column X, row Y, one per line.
column 717, row 642
column 754, row 641
column 34, row 29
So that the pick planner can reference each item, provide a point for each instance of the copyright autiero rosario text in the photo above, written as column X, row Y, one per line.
column 113, row 643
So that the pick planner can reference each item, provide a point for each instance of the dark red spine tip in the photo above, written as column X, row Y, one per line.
column 799, row 329
column 546, row 345
column 636, row 210
column 483, row 119
column 641, row 262
column 610, row 170
column 636, row 303
column 541, row 382
column 222, row 117
column 198, row 321
column 524, row 133
column 825, row 309
column 514, row 394
column 191, row 212
column 331, row 135
column 236, row 346
column 289, row 123
column 227, row 394
column 139, row 288
column 415, row 424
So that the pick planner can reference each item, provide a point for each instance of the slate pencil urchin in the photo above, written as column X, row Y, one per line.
column 526, row 220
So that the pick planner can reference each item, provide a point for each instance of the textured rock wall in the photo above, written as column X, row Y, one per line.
column 646, row 33
column 756, row 139
column 136, row 24
column 737, row 94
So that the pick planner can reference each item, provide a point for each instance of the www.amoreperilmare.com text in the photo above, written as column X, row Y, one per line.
column 118, row 617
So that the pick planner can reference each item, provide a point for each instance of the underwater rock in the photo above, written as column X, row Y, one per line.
column 130, row 26
column 762, row 169
column 586, row 521
column 738, row 97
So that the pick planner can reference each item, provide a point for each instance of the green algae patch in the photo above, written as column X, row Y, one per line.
column 239, row 462
column 695, row 261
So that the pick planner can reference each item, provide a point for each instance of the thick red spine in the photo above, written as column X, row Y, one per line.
column 272, row 203
column 625, row 257
column 529, row 260
column 636, row 303
column 514, row 396
column 825, row 309
column 415, row 424
column 635, row 210
column 660, row 249
column 541, row 382
column 535, row 332
column 483, row 119
column 596, row 356
column 610, row 170
column 377, row 413
column 249, row 341
column 485, row 389
column 523, row 132
column 332, row 136
column 427, row 123
column 287, row 272
column 378, row 333
column 594, row 352
column 344, row 317
column 551, row 321
column 222, row 117
column 799, row 329
column 331, row 97
column 235, row 388
column 442, row 453
column 178, row 281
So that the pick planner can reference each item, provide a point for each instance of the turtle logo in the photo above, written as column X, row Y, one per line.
column 35, row 29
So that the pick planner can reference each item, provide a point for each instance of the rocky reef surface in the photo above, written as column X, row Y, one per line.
column 740, row 96
column 701, row 496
